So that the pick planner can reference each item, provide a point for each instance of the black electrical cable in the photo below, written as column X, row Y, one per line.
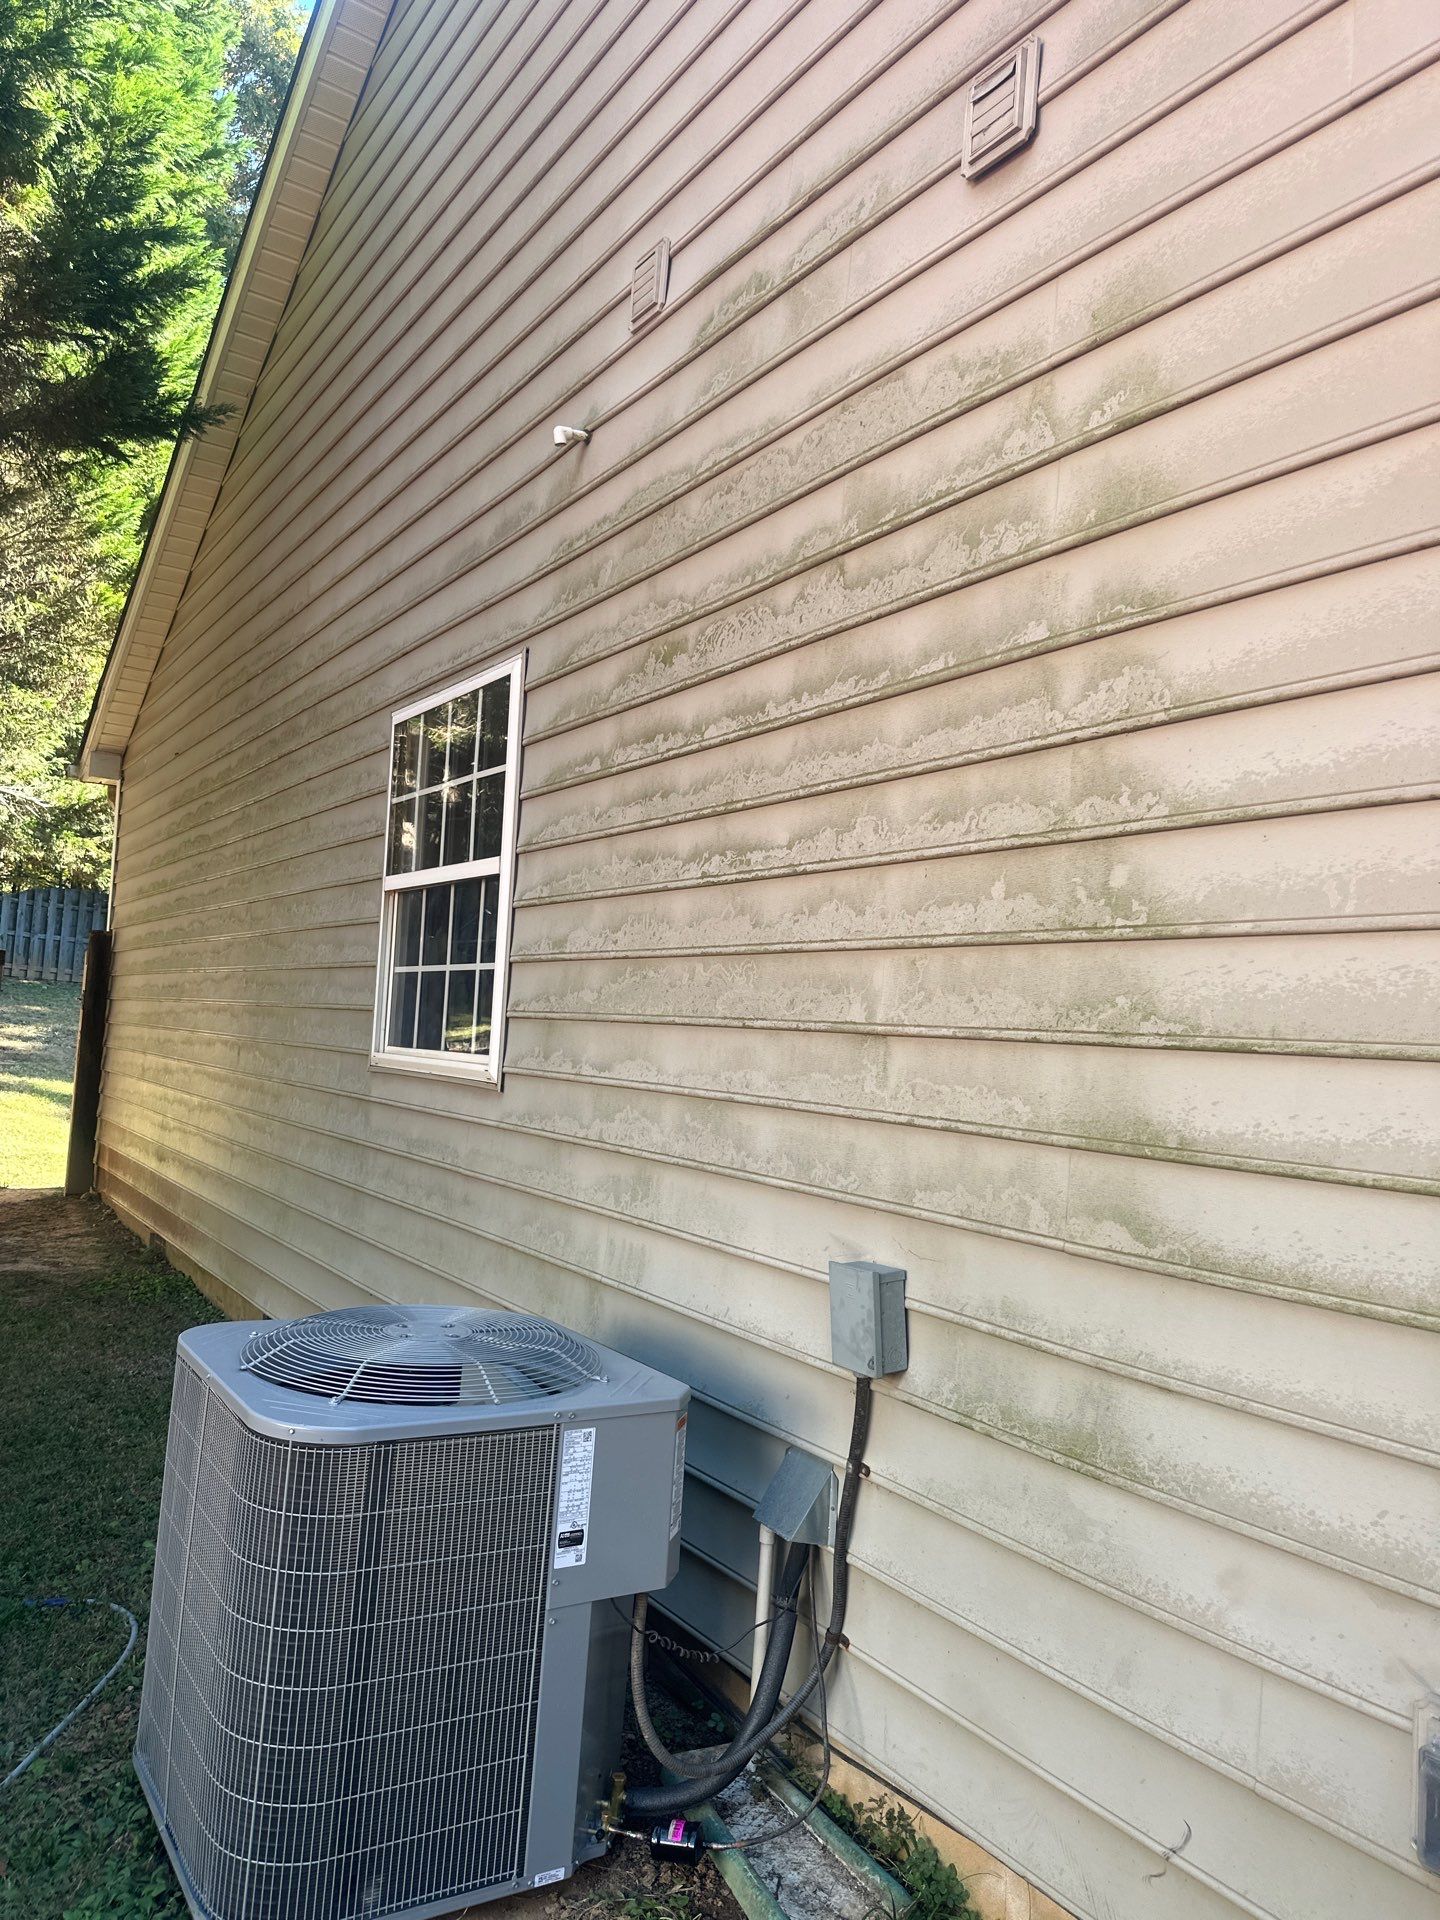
column 650, row 1802
column 677, row 1650
column 768, row 1682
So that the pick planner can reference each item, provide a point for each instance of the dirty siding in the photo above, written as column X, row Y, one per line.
column 977, row 751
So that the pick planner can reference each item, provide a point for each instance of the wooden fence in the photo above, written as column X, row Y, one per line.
column 44, row 930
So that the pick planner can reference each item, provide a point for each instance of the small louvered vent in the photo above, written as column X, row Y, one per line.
column 1001, row 108
column 650, row 285
column 422, row 1356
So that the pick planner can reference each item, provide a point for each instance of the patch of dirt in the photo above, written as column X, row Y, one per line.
column 44, row 1231
column 626, row 1885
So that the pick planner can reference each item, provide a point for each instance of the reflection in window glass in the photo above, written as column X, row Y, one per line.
column 465, row 921
column 459, row 801
column 483, row 1008
column 464, row 724
column 494, row 724
column 489, row 806
column 405, row 756
column 407, row 929
column 400, row 854
column 460, row 1011
column 430, row 1021
column 435, row 937
column 433, row 734
column 487, row 926
column 432, row 821
column 402, row 1010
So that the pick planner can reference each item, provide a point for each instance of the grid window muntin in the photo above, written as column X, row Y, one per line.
column 454, row 759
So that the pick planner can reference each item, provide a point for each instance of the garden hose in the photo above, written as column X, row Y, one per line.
column 57, row 1600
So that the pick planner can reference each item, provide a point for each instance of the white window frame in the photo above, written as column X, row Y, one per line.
column 483, row 1068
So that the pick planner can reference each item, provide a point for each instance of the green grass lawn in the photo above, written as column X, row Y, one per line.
column 37, row 1063
column 86, row 1364
column 85, row 1369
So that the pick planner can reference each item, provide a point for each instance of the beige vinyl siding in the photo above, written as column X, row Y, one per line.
column 977, row 813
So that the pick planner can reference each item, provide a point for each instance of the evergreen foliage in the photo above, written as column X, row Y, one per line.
column 132, row 136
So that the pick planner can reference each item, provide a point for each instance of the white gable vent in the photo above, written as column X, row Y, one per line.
column 1001, row 107
column 650, row 285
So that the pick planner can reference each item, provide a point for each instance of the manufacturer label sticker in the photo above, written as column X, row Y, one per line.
column 677, row 1490
column 548, row 1879
column 572, row 1511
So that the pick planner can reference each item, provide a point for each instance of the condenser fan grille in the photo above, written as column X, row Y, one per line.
column 422, row 1356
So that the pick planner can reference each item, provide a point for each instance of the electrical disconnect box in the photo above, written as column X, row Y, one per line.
column 867, row 1317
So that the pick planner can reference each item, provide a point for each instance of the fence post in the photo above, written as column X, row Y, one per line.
column 89, row 1056
column 24, row 912
column 69, row 922
column 54, row 924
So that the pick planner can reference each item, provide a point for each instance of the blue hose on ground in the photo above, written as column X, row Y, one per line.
column 55, row 1600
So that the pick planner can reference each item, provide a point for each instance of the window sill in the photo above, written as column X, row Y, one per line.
column 430, row 1067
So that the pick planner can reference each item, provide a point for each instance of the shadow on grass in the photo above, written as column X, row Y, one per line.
column 85, row 1374
column 38, row 1022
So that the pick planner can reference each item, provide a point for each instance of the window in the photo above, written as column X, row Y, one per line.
column 449, row 851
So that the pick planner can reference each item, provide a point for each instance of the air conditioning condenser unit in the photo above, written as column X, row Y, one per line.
column 388, row 1641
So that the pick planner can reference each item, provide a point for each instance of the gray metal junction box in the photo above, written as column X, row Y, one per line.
column 385, row 1675
column 867, row 1317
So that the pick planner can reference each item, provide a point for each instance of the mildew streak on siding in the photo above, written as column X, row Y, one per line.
column 977, row 812
column 1174, row 147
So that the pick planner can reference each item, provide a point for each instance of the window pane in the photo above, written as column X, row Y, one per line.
column 430, row 1027
column 400, row 854
column 432, row 745
column 465, row 924
column 437, row 926
column 407, row 928
column 432, row 827
column 494, row 722
column 489, row 796
column 458, row 802
column 445, row 809
column 464, row 722
column 460, row 1012
column 489, row 901
column 483, row 1009
column 405, row 754
column 402, row 1010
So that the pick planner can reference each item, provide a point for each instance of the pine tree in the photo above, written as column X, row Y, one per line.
column 258, row 66
column 132, row 133
column 103, row 242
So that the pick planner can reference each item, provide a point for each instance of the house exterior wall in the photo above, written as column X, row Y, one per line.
column 977, row 744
